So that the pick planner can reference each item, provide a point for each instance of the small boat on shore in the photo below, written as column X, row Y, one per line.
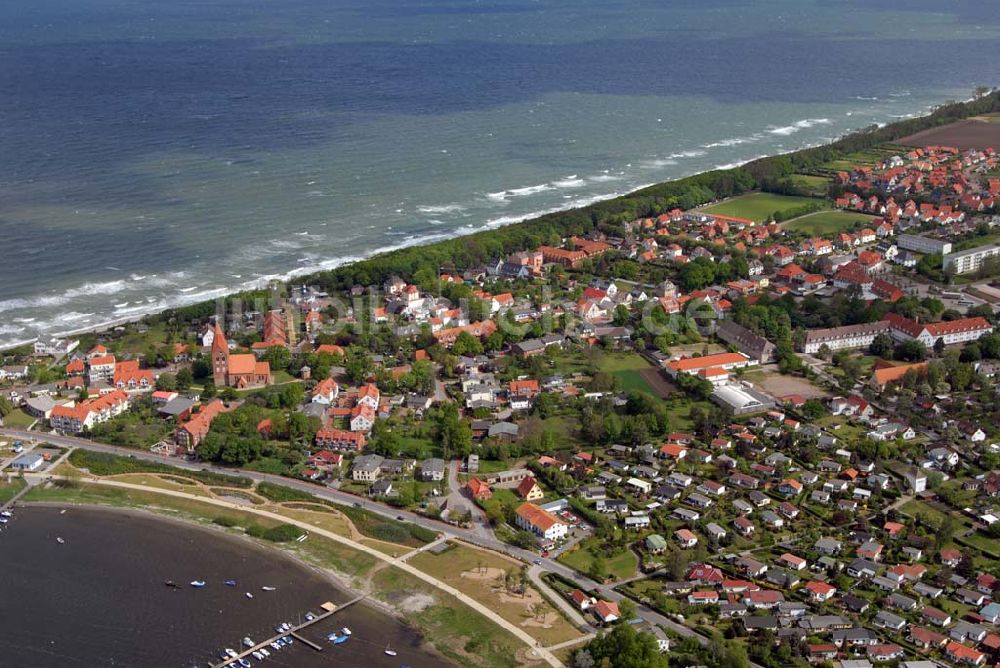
column 197, row 584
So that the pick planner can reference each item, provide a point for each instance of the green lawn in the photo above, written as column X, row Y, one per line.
column 812, row 185
column 18, row 419
column 680, row 412
column 626, row 368
column 759, row 207
column 9, row 489
column 826, row 223
column 619, row 567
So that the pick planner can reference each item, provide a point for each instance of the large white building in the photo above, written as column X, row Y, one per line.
column 540, row 522
column 952, row 331
column 921, row 244
column 74, row 418
column 847, row 337
column 968, row 261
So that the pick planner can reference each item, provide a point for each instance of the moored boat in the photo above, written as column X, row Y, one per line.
column 197, row 584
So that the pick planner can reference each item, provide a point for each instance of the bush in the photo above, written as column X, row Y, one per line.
column 282, row 533
column 102, row 464
column 280, row 493
column 224, row 521
column 391, row 532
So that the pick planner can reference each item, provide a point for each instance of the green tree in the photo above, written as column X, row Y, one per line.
column 624, row 647
column 466, row 345
column 184, row 379
column 166, row 382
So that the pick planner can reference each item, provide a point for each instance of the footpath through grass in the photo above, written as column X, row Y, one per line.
column 102, row 464
column 449, row 625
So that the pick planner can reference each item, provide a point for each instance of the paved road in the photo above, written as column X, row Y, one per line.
column 473, row 536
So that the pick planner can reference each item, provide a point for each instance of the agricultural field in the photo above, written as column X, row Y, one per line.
column 978, row 132
column 759, row 207
column 826, row 223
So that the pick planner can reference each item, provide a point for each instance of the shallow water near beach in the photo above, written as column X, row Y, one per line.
column 154, row 154
column 99, row 598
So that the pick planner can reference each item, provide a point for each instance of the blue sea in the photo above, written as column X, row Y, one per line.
column 157, row 153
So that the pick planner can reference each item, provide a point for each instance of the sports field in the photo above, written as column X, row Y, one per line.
column 759, row 207
column 825, row 223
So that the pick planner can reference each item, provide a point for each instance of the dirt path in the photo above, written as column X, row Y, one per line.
column 515, row 630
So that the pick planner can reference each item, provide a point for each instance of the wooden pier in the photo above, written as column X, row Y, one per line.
column 294, row 632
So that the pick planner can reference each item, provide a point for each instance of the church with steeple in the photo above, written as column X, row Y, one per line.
column 241, row 370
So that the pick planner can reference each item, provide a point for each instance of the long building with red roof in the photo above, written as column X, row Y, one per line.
column 951, row 331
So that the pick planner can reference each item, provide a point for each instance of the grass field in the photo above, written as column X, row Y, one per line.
column 619, row 567
column 18, row 419
column 826, row 223
column 815, row 186
column 9, row 489
column 628, row 368
column 758, row 207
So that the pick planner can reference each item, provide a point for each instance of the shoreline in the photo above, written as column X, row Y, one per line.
column 336, row 579
column 432, row 239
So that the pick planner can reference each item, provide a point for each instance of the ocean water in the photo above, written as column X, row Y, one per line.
column 98, row 599
column 156, row 153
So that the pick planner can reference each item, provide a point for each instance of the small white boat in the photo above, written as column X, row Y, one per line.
column 6, row 513
column 257, row 655
column 346, row 631
column 249, row 595
column 264, row 652
column 59, row 539
column 197, row 584
column 62, row 512
column 389, row 651
column 232, row 653
column 269, row 588
column 248, row 642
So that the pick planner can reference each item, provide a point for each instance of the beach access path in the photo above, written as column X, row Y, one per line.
column 518, row 632
column 605, row 591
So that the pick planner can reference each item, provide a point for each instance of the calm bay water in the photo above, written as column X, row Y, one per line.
column 99, row 599
column 160, row 153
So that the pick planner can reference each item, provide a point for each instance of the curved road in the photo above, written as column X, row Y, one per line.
column 480, row 536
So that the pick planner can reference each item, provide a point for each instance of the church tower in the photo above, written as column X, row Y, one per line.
column 220, row 356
